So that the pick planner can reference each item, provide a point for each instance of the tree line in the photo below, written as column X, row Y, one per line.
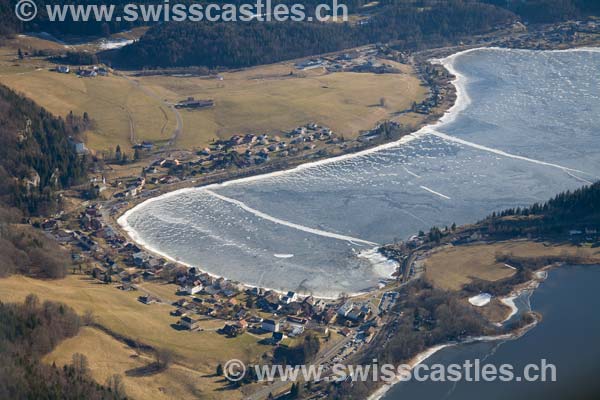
column 578, row 209
column 544, row 11
column 530, row 11
column 244, row 44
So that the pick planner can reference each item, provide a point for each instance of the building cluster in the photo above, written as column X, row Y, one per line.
column 438, row 80
column 84, row 72
column 132, row 188
column 267, row 311
column 241, row 151
column 555, row 35
column 361, row 60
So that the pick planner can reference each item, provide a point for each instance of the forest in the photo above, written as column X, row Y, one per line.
column 244, row 44
column 36, row 153
column 36, row 160
column 570, row 210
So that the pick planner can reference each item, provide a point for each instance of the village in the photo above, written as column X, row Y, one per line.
column 274, row 318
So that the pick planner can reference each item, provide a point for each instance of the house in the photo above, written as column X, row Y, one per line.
column 255, row 319
column 329, row 316
column 147, row 299
column 242, row 325
column 181, row 303
column 289, row 297
column 147, row 145
column 79, row 147
column 50, row 225
column 345, row 309
column 297, row 320
column 270, row 325
column 189, row 323
column 345, row 331
column 139, row 258
column 152, row 263
column 190, row 102
column 180, row 312
column 230, row 330
column 235, row 329
column 191, row 289
column 297, row 330
column 149, row 275
column 87, row 73
column 256, row 291
column 319, row 305
column 359, row 313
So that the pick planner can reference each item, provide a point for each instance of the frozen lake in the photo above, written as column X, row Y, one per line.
column 526, row 126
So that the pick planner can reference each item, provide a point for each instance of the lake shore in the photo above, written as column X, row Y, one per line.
column 212, row 182
column 524, row 288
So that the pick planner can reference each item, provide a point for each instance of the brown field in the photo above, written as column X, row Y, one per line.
column 452, row 267
column 264, row 99
column 150, row 324
column 108, row 356
column 121, row 111
column 269, row 99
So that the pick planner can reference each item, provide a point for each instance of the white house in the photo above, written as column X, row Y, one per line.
column 290, row 297
column 191, row 289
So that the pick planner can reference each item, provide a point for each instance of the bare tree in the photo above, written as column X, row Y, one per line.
column 163, row 357
column 89, row 318
column 32, row 302
column 116, row 386
column 80, row 364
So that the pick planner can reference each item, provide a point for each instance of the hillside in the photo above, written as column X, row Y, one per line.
column 565, row 213
column 252, row 43
column 37, row 153
column 27, row 332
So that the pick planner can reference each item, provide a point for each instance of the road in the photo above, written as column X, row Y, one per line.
column 179, row 127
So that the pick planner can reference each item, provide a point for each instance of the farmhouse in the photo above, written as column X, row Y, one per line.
column 194, row 104
column 189, row 323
